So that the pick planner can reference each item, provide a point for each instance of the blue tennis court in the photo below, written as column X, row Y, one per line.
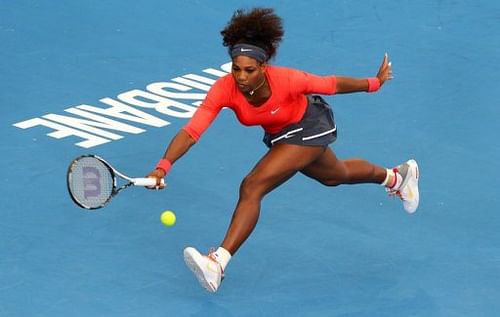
column 119, row 78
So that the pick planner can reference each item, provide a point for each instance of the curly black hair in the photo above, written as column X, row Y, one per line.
column 258, row 26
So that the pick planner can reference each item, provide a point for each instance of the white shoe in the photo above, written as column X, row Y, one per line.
column 408, row 191
column 206, row 269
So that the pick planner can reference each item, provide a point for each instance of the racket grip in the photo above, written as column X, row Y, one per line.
column 146, row 181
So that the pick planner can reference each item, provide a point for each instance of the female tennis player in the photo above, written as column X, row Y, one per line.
column 298, row 125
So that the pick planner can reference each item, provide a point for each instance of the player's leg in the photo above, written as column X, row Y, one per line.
column 329, row 170
column 278, row 165
column 401, row 181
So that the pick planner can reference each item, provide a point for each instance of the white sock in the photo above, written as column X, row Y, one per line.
column 399, row 181
column 222, row 256
column 387, row 175
column 395, row 185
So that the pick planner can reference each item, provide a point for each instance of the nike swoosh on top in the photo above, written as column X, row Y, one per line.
column 246, row 49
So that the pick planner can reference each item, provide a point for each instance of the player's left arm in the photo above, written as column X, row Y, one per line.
column 349, row 84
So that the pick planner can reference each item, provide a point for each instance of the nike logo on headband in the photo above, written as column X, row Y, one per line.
column 250, row 51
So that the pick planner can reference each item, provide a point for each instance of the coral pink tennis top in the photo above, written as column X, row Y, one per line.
column 286, row 105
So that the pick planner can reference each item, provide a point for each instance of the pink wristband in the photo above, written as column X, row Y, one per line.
column 373, row 84
column 164, row 165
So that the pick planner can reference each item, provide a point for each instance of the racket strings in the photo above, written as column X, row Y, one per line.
column 90, row 182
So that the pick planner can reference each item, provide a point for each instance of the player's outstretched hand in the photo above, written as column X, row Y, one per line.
column 158, row 174
column 385, row 70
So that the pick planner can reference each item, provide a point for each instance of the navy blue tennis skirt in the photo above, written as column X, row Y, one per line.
column 317, row 127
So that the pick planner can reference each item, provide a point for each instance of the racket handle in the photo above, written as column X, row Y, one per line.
column 146, row 181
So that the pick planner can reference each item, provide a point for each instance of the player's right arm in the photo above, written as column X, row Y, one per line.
column 192, row 131
column 179, row 145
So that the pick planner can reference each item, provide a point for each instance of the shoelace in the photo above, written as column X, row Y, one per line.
column 392, row 193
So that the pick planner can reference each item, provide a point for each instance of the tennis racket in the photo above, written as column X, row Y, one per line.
column 92, row 181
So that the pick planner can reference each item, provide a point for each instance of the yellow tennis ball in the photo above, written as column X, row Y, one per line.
column 168, row 218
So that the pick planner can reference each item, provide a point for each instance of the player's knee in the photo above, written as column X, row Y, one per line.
column 251, row 188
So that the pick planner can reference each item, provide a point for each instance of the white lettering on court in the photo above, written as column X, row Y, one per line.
column 100, row 125
column 161, row 104
column 62, row 131
column 123, row 111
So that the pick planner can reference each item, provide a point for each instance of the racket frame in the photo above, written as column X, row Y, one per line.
column 113, row 172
